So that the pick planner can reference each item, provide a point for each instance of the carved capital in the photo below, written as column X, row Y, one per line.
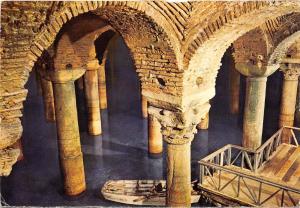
column 62, row 76
column 179, row 127
column 291, row 71
column 92, row 65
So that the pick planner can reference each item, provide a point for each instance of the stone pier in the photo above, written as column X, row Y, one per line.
column 155, row 140
column 92, row 97
column 71, row 160
column 144, row 106
column 254, row 111
column 234, row 90
column 102, row 85
column 48, row 100
column 204, row 124
column 291, row 74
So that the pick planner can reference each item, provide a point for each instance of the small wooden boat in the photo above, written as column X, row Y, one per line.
column 139, row 192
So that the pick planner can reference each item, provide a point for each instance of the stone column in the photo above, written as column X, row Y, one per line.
column 178, row 129
column 71, row 160
column 234, row 87
column 92, row 98
column 288, row 100
column 297, row 113
column 144, row 106
column 179, row 175
column 102, row 85
column 254, row 111
column 155, row 141
column 48, row 100
column 204, row 123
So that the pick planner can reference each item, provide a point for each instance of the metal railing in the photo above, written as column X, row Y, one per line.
column 222, row 160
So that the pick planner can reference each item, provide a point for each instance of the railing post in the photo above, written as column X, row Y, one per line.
column 259, row 193
column 255, row 162
column 243, row 158
column 229, row 157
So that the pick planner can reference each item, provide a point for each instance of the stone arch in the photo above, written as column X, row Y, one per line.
column 149, row 56
column 282, row 48
column 208, row 55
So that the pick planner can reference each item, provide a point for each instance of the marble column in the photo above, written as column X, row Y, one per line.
column 234, row 89
column 254, row 111
column 144, row 106
column 92, row 97
column 155, row 140
column 204, row 123
column 71, row 160
column 102, row 85
column 288, row 99
column 48, row 100
column 179, row 175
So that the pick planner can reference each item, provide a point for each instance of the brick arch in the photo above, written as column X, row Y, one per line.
column 131, row 21
column 282, row 48
column 205, row 64
column 238, row 18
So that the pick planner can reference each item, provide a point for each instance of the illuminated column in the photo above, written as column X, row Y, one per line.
column 178, row 130
column 254, row 111
column 48, row 100
column 144, row 106
column 234, row 87
column 102, row 85
column 288, row 99
column 204, row 123
column 92, row 97
column 155, row 141
column 71, row 160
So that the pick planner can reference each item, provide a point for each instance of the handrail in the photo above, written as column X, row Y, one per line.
column 258, row 153
column 248, row 159
column 250, row 176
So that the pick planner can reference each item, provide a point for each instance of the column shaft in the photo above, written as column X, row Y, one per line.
column 144, row 106
column 92, row 100
column 102, row 86
column 155, row 140
column 234, row 86
column 288, row 107
column 179, row 175
column 204, row 124
column 48, row 100
column 254, row 111
column 70, row 154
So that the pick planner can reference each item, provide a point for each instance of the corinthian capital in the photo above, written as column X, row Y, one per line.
column 179, row 127
column 291, row 70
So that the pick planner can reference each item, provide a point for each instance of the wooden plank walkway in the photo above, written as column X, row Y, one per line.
column 282, row 168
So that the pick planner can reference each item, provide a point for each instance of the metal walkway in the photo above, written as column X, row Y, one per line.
column 269, row 176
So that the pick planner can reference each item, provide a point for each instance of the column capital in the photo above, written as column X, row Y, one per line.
column 62, row 76
column 291, row 71
column 179, row 127
column 92, row 65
